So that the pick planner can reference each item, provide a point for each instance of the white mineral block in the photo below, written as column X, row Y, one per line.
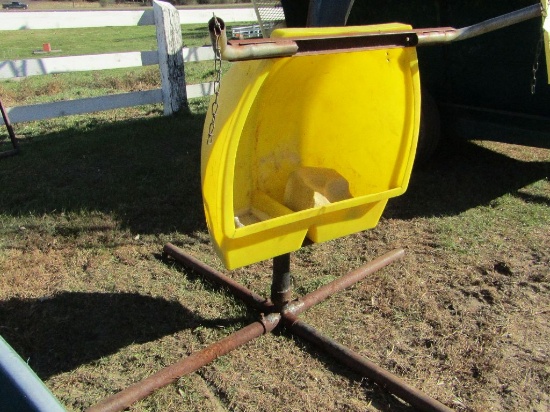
column 309, row 187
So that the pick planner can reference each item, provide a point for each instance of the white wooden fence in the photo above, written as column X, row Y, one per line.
column 170, row 56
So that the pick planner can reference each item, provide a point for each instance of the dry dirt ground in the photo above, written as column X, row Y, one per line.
column 86, row 298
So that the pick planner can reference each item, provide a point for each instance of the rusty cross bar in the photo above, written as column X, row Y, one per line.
column 279, row 310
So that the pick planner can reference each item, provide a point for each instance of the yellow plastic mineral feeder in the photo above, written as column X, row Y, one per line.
column 309, row 146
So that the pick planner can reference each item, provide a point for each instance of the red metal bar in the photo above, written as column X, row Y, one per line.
column 307, row 301
column 387, row 380
column 244, row 294
column 144, row 388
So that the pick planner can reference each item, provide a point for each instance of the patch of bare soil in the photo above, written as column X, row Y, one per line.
column 464, row 316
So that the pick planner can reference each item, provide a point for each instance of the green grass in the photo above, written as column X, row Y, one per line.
column 468, row 233
column 20, row 44
column 66, row 86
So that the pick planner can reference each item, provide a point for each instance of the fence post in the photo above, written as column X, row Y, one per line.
column 169, row 44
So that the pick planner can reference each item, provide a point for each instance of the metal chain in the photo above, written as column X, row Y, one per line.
column 217, row 80
column 536, row 62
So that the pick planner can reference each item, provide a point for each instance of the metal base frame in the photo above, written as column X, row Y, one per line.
column 279, row 310
column 11, row 133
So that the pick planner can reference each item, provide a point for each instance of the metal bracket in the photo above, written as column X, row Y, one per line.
column 275, row 48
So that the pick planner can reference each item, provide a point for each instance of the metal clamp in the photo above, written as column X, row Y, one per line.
column 275, row 48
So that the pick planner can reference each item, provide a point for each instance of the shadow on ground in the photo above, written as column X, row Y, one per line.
column 50, row 333
column 144, row 172
column 470, row 176
column 147, row 173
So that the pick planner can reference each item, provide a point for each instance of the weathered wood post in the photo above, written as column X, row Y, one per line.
column 169, row 43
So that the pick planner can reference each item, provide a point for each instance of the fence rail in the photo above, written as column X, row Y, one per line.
column 50, row 65
column 169, row 56
column 79, row 19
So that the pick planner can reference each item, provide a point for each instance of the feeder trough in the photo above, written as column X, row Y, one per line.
column 310, row 146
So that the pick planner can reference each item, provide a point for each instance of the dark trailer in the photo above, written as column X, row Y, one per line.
column 493, row 87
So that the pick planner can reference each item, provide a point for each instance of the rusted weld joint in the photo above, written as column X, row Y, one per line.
column 270, row 321
column 293, row 308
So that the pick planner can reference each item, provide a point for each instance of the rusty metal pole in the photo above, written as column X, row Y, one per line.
column 281, row 285
column 363, row 366
column 144, row 388
column 11, row 133
column 353, row 360
column 450, row 34
column 307, row 301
